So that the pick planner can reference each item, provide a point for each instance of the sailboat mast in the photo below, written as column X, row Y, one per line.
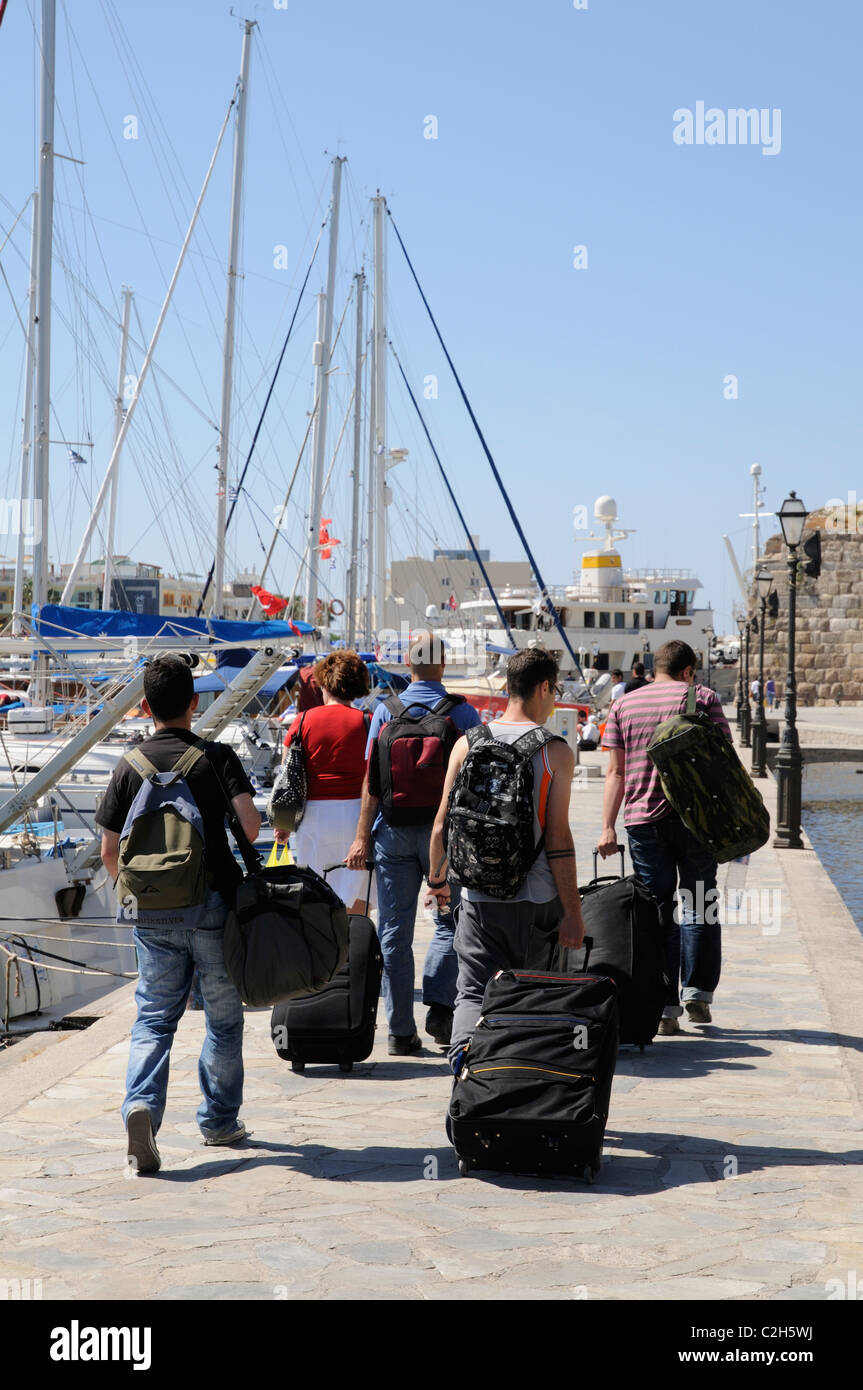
column 43, row 305
column 379, row 348
column 118, row 425
column 32, row 519
column 371, row 495
column 319, row 459
column 230, row 312
column 351, row 605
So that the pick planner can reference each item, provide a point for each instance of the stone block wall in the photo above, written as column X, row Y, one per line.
column 829, row 615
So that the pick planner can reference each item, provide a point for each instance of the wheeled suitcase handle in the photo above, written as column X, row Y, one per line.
column 559, row 954
column 609, row 878
column 370, row 867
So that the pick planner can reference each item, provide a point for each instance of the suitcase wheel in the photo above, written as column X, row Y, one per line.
column 346, row 1066
column 464, row 1167
column 298, row 1066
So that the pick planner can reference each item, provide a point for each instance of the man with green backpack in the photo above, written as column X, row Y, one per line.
column 666, row 854
column 164, row 843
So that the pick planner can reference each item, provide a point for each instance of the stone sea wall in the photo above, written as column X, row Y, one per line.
column 829, row 614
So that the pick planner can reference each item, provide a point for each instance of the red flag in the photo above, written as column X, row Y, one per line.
column 452, row 603
column 270, row 603
column 325, row 540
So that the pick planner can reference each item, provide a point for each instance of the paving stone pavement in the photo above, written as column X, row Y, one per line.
column 732, row 1164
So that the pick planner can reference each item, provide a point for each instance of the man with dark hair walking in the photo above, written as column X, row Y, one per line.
column 665, row 854
column 168, row 953
column 637, row 680
column 511, row 934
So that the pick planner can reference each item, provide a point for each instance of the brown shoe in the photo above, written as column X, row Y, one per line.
column 668, row 1028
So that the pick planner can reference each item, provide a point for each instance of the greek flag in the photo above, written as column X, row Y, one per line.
column 75, row 458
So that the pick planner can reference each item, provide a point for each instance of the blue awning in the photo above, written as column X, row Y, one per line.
column 217, row 680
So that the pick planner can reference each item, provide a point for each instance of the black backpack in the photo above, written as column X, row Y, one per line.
column 409, row 760
column 488, row 832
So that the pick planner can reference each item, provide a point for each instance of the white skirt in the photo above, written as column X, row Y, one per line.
column 323, row 837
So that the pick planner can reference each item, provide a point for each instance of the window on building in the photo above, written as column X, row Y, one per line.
column 620, row 620
column 636, row 620
column 656, row 598
column 590, row 619
column 168, row 599
column 648, row 619
column 605, row 620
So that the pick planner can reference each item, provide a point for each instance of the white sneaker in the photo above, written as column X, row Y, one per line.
column 232, row 1136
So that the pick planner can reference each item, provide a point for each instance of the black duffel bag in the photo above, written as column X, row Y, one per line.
column 286, row 934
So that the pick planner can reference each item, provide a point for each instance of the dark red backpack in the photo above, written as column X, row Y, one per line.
column 409, row 760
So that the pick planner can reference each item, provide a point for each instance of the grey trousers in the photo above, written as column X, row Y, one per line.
column 492, row 936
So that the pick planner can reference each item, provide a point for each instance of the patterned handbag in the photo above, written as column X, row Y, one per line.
column 287, row 802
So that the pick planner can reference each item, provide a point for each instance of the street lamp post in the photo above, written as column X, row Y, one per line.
column 763, row 583
column 740, row 675
column 789, row 763
column 746, row 726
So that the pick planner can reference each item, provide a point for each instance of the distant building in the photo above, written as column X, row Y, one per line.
column 450, row 578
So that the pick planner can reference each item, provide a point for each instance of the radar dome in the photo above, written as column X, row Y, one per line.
column 605, row 509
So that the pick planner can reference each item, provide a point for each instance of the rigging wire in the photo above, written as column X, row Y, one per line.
column 461, row 516
column 547, row 599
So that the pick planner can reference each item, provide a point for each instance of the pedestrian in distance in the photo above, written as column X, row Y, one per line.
column 770, row 690
column 665, row 855
column 334, row 736
column 409, row 743
column 619, row 685
column 588, row 732
column 543, row 909
column 637, row 680
column 166, row 836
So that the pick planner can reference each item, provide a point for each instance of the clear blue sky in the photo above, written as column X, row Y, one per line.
column 554, row 129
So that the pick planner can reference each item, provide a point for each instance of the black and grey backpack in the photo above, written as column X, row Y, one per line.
column 488, row 832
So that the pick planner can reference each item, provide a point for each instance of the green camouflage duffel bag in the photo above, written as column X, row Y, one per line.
column 707, row 785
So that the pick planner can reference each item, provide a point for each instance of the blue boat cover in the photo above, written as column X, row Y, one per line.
column 57, row 622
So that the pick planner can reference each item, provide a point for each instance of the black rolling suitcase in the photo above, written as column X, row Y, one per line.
column 622, row 919
column 533, row 1091
column 337, row 1023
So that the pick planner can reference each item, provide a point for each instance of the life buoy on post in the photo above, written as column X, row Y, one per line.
column 337, row 608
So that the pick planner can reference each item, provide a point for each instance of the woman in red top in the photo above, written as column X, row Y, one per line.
column 334, row 742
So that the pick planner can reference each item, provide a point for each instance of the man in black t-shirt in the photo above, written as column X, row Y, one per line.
column 168, row 956
column 638, row 678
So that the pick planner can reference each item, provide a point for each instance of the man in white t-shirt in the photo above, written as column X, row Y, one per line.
column 514, row 933
column 619, row 685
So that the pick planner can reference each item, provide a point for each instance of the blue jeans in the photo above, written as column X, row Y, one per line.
column 167, row 959
column 663, row 851
column 401, row 865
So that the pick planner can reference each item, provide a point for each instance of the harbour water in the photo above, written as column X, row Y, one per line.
column 833, row 820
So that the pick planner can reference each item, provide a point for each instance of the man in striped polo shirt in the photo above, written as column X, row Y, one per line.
column 665, row 855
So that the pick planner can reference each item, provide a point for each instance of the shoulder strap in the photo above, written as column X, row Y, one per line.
column 250, row 856
column 447, row 703
column 691, row 699
column 534, row 740
column 395, row 705
column 479, row 733
column 140, row 764
column 187, row 760
column 297, row 735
